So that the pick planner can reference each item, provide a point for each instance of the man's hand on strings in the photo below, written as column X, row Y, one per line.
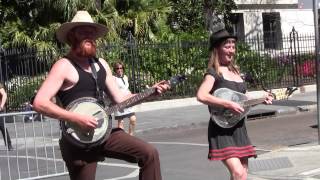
column 86, row 122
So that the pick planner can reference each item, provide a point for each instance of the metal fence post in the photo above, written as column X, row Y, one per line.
column 131, row 48
column 1, row 58
column 295, row 56
column 135, row 63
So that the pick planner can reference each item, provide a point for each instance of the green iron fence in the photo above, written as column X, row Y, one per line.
column 292, row 64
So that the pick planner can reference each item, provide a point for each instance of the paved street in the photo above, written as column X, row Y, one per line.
column 180, row 136
column 183, row 149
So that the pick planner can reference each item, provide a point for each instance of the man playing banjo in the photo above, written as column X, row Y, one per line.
column 69, row 79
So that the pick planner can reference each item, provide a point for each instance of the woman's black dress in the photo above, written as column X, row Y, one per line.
column 226, row 143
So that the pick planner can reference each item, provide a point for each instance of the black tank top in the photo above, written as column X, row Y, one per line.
column 85, row 87
column 220, row 82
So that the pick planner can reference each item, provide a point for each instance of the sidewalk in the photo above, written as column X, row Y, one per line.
column 291, row 163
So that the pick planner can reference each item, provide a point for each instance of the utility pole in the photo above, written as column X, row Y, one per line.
column 316, row 35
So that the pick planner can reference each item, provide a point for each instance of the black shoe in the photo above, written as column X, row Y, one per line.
column 10, row 147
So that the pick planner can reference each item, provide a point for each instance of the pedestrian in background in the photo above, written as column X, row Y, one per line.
column 123, row 84
column 4, row 131
column 232, row 145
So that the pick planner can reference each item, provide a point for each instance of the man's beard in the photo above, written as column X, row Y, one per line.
column 86, row 48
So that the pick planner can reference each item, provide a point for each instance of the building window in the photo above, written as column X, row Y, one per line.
column 272, row 34
column 237, row 25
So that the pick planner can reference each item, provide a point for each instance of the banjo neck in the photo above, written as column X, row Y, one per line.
column 143, row 95
column 252, row 102
column 131, row 101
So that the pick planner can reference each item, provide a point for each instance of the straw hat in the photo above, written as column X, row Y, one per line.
column 82, row 18
column 219, row 36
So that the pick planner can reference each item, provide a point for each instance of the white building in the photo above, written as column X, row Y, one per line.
column 273, row 18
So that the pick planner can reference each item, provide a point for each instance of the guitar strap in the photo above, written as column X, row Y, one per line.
column 99, row 93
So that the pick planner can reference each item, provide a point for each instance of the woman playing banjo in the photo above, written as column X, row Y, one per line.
column 229, row 145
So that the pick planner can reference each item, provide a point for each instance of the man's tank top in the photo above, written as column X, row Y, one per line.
column 86, row 85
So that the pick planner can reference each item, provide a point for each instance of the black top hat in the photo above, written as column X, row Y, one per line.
column 219, row 36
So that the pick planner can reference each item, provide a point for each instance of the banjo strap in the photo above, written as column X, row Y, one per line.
column 99, row 93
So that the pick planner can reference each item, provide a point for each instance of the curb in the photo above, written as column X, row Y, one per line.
column 166, row 104
column 307, row 107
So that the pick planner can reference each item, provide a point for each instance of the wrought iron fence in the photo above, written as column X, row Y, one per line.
column 291, row 64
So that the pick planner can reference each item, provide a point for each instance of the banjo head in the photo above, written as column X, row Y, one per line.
column 88, row 106
column 223, row 117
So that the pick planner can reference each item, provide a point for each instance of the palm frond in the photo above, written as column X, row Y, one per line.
column 21, row 39
column 44, row 47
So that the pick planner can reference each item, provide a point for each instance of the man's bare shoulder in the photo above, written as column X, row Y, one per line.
column 103, row 62
column 62, row 68
column 62, row 64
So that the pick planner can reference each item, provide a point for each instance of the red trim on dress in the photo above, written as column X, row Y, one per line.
column 229, row 152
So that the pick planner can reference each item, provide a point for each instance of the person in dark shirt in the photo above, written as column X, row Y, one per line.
column 4, row 131
column 70, row 78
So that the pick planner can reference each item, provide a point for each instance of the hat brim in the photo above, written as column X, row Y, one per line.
column 215, row 41
column 63, row 30
column 227, row 37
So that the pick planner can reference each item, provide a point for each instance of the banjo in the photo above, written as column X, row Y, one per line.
column 90, row 106
column 225, row 118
